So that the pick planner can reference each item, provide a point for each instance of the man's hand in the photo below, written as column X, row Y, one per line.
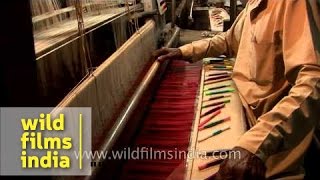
column 246, row 166
column 164, row 54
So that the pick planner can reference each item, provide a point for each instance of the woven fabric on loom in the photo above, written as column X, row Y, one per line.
column 167, row 125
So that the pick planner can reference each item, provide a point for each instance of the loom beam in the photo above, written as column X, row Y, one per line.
column 127, row 112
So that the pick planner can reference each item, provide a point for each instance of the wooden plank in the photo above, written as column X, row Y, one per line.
column 48, row 40
column 194, row 132
column 226, row 140
column 48, row 15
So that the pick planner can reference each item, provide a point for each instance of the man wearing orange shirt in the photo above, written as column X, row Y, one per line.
column 277, row 74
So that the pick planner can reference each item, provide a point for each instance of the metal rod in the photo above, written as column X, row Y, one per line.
column 233, row 10
column 144, row 13
column 75, row 36
column 180, row 8
column 173, row 13
column 191, row 10
column 123, row 118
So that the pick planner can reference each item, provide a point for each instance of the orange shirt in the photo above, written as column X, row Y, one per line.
column 277, row 74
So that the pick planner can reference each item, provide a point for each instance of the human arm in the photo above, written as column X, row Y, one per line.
column 223, row 43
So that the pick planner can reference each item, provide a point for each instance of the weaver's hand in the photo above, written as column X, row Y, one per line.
column 246, row 166
column 164, row 54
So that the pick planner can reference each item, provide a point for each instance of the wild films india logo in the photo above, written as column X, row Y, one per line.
column 51, row 145
column 44, row 141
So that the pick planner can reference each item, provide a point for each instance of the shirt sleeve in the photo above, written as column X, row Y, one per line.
column 296, row 116
column 223, row 43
